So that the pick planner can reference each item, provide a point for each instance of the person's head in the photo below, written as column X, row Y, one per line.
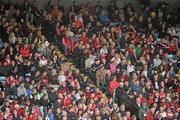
column 77, row 71
column 155, row 105
column 162, row 84
column 161, row 109
column 126, row 83
column 114, row 78
column 121, row 84
column 140, row 18
column 50, row 110
column 155, row 77
column 10, row 117
column 157, row 56
column 58, row 111
column 8, row 56
column 35, row 97
column 138, row 100
column 97, row 111
column 7, row 111
column 26, row 46
column 128, row 114
column 152, row 110
column 74, row 3
column 134, row 117
column 129, row 62
column 97, row 61
column 64, row 118
column 15, row 112
column 123, row 61
column 122, row 107
column 115, row 106
column 103, row 60
column 22, row 85
column 27, row 102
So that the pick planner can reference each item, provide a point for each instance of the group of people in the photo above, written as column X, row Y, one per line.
column 89, row 62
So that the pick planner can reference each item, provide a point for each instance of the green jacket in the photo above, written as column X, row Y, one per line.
column 143, row 113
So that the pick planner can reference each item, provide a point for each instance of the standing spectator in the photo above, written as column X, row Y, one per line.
column 143, row 111
column 151, row 115
column 28, row 11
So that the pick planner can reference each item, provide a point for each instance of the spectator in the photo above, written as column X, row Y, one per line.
column 143, row 111
column 25, row 51
column 151, row 114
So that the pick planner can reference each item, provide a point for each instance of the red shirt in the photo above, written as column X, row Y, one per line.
column 161, row 94
column 143, row 99
column 25, row 52
column 172, row 48
column 17, row 81
column 97, row 95
column 97, row 44
column 147, row 51
column 124, row 77
column 64, row 90
column 31, row 117
column 68, row 42
column 150, row 101
column 87, row 95
column 150, row 116
column 89, row 51
column 113, row 86
column 130, row 50
column 1, row 116
column 67, row 101
column 168, row 106
column 136, row 41
column 21, row 112
column 175, row 105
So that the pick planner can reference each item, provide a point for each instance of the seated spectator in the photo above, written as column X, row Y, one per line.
column 25, row 51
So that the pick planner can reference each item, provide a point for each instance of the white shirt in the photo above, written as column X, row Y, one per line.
column 89, row 62
column 156, row 85
column 156, row 62
column 130, row 68
column 103, row 51
column 43, row 62
column 61, row 79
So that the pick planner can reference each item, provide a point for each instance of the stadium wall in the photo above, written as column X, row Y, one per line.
column 120, row 3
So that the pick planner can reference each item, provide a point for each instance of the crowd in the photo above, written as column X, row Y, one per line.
column 89, row 62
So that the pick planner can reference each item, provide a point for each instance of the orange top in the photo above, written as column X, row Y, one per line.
column 55, row 12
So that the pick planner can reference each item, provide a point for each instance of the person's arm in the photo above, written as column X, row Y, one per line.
column 25, row 92
column 140, row 115
column 63, row 40
column 18, row 92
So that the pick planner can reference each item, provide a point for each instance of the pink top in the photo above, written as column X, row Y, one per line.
column 113, row 67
